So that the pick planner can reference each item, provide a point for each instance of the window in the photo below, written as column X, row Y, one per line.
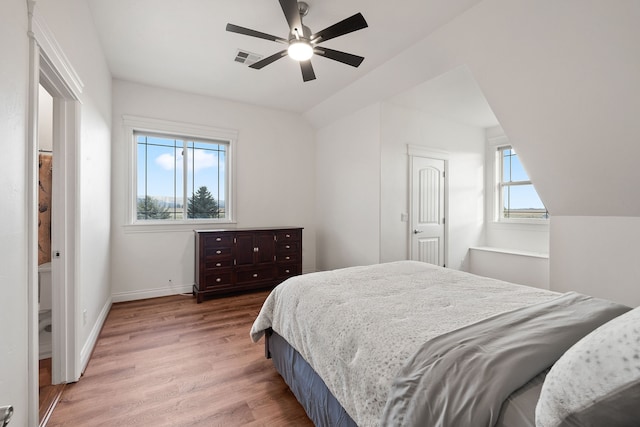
column 180, row 176
column 517, row 196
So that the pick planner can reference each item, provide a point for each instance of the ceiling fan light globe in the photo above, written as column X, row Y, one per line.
column 300, row 51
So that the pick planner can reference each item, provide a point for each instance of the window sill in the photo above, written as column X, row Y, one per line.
column 524, row 223
column 177, row 226
column 511, row 252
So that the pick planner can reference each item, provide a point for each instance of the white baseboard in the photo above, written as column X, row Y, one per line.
column 151, row 293
column 88, row 346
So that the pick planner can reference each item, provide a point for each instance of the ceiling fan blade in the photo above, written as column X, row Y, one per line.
column 336, row 55
column 307, row 71
column 253, row 33
column 268, row 60
column 346, row 26
column 292, row 13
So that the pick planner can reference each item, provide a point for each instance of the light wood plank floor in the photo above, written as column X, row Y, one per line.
column 49, row 394
column 171, row 362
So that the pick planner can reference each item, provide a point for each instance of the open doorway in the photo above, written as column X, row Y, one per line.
column 64, row 111
column 45, row 203
column 52, row 79
column 48, row 392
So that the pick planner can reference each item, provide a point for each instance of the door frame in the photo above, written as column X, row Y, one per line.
column 429, row 153
column 50, row 67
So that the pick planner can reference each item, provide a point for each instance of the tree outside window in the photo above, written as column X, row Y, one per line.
column 150, row 208
column 203, row 205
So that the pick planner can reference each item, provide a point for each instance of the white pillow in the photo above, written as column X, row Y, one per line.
column 597, row 381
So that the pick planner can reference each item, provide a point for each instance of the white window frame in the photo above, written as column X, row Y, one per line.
column 133, row 124
column 494, row 146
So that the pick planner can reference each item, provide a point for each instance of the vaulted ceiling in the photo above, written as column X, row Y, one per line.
column 183, row 45
column 562, row 77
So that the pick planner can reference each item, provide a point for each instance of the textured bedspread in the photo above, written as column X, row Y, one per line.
column 462, row 378
column 357, row 326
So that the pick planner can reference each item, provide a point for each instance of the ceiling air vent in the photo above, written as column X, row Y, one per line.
column 247, row 58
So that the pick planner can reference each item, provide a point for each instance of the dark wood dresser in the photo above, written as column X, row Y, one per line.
column 236, row 260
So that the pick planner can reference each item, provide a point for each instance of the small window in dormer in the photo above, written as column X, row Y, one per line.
column 518, row 199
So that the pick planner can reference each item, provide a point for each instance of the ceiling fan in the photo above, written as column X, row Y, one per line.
column 302, row 43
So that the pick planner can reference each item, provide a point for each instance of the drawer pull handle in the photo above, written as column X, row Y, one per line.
column 287, row 271
column 287, row 257
column 288, row 247
column 218, row 252
column 218, row 280
column 219, row 264
column 255, row 274
column 287, row 235
column 219, row 239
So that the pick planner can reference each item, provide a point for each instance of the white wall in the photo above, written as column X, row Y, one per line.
column 14, row 74
column 363, row 184
column 464, row 146
column 519, row 237
column 348, row 190
column 72, row 26
column 597, row 256
column 562, row 79
column 513, row 266
column 275, row 180
column 45, row 120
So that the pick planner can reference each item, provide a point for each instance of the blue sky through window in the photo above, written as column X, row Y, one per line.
column 160, row 168
column 521, row 197
column 512, row 168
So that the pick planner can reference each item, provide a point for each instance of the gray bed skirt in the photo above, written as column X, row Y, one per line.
column 312, row 393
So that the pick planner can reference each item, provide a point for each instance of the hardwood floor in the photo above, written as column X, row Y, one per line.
column 171, row 362
column 48, row 393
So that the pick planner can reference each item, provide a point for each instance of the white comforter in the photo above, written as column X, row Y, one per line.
column 357, row 326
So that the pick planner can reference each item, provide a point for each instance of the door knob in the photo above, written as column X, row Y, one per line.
column 5, row 415
column 417, row 231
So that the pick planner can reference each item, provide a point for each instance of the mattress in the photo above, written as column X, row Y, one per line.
column 360, row 328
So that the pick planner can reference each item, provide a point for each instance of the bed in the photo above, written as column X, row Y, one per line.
column 412, row 344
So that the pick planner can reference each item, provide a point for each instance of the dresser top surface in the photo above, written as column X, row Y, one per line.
column 218, row 230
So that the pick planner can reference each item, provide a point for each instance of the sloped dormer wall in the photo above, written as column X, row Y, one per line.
column 563, row 80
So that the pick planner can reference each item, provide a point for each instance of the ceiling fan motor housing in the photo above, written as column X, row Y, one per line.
column 306, row 34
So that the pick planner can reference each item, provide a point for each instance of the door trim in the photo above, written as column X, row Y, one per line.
column 425, row 152
column 49, row 66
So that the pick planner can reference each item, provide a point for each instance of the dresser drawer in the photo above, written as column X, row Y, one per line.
column 216, row 253
column 212, row 280
column 288, row 257
column 288, row 236
column 214, row 263
column 288, row 270
column 217, row 239
column 287, row 247
column 255, row 275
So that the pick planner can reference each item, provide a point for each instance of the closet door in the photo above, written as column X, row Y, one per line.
column 427, row 210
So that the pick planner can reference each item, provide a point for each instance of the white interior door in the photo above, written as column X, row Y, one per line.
column 428, row 210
